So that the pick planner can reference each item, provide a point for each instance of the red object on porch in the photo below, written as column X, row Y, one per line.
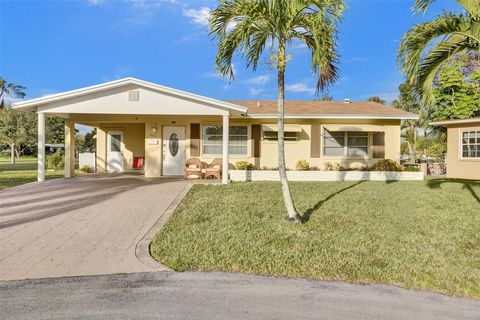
column 138, row 162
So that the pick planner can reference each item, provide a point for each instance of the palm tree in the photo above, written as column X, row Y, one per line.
column 9, row 88
column 426, row 47
column 248, row 26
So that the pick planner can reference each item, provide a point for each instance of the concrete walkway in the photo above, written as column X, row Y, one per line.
column 79, row 226
column 197, row 295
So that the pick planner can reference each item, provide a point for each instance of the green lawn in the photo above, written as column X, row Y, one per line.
column 25, row 170
column 414, row 234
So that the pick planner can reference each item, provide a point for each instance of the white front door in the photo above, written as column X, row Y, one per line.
column 173, row 150
column 115, row 151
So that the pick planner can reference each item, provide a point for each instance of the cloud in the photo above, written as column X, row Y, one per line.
column 96, row 2
column 148, row 4
column 260, row 80
column 356, row 59
column 255, row 91
column 119, row 72
column 300, row 88
column 198, row 16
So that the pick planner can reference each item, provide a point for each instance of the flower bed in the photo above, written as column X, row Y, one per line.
column 271, row 175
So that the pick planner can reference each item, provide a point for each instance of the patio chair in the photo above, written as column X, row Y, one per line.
column 214, row 169
column 193, row 167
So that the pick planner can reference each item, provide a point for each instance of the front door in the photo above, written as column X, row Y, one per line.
column 115, row 151
column 173, row 150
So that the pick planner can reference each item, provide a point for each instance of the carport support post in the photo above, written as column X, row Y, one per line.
column 69, row 148
column 41, row 147
column 226, row 125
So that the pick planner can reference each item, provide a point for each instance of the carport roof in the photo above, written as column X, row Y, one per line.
column 33, row 104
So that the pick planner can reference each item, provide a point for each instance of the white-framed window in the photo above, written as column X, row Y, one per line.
column 213, row 136
column 470, row 144
column 345, row 144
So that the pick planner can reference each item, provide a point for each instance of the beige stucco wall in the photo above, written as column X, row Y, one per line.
column 141, row 140
column 133, row 143
column 456, row 166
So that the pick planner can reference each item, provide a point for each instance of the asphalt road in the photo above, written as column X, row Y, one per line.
column 197, row 295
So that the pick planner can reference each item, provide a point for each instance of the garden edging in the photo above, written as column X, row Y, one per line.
column 273, row 175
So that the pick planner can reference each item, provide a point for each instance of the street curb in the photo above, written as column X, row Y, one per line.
column 142, row 249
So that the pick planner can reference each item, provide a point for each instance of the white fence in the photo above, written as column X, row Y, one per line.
column 86, row 159
column 271, row 175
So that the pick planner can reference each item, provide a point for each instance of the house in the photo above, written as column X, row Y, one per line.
column 463, row 147
column 135, row 118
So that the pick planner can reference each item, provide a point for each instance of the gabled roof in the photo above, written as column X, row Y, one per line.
column 324, row 109
column 30, row 105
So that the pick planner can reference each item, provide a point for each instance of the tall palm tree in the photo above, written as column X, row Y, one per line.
column 9, row 88
column 247, row 27
column 426, row 47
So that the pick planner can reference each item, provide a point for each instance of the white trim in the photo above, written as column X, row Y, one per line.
column 225, row 147
column 460, row 144
column 333, row 116
column 34, row 103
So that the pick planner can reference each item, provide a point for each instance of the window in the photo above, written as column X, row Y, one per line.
column 342, row 144
column 273, row 136
column 471, row 144
column 213, row 136
column 115, row 143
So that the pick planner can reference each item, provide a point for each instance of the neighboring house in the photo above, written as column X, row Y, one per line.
column 463, row 147
column 135, row 118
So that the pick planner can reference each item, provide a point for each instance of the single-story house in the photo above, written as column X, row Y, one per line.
column 135, row 118
column 463, row 147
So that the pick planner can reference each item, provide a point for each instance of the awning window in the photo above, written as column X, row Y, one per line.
column 288, row 127
column 354, row 128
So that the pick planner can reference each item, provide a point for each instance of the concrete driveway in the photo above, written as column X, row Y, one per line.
column 79, row 226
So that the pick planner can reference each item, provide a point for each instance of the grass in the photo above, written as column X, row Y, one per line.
column 24, row 171
column 415, row 234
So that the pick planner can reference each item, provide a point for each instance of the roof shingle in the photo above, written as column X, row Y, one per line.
column 305, row 107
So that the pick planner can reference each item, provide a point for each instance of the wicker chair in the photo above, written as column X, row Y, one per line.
column 193, row 167
column 214, row 169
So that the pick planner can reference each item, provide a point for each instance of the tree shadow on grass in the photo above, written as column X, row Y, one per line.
column 467, row 184
column 310, row 211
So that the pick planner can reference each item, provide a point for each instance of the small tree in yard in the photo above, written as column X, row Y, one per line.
column 18, row 130
column 248, row 26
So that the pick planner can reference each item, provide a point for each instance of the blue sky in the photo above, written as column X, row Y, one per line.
column 53, row 46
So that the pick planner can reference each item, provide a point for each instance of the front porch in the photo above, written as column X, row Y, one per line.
column 162, row 143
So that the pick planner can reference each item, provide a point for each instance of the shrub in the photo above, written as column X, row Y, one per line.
column 56, row 161
column 333, row 166
column 244, row 165
column 387, row 165
column 86, row 169
column 302, row 165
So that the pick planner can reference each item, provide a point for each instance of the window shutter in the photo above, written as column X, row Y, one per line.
column 194, row 139
column 256, row 135
column 378, row 146
column 315, row 135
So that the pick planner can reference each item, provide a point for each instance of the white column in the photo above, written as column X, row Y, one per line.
column 226, row 124
column 69, row 148
column 41, row 147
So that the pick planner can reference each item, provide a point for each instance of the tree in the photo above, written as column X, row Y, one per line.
column 409, row 100
column 18, row 130
column 55, row 130
column 248, row 26
column 377, row 100
column 426, row 47
column 11, row 89
column 457, row 93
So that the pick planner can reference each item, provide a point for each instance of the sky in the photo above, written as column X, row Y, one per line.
column 54, row 46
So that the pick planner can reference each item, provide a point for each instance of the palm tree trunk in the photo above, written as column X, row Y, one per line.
column 12, row 153
column 287, row 195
